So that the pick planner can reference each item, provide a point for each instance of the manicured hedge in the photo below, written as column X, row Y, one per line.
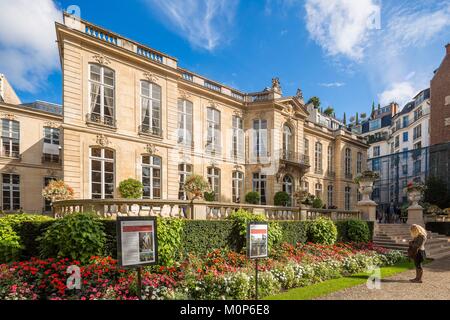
column 28, row 232
column 294, row 231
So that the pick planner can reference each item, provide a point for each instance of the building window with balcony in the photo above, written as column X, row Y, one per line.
column 348, row 163
column 11, row 192
column 102, row 95
column 102, row 173
column 238, row 138
column 306, row 147
column 51, row 145
column 318, row 159
column 417, row 132
column 260, row 138
column 184, row 171
column 330, row 196
column 260, row 185
column 150, row 108
column 359, row 162
column 213, row 130
column 47, row 202
column 318, row 190
column 288, row 143
column 330, row 158
column 238, row 186
column 288, row 187
column 185, row 110
column 213, row 176
column 151, row 177
column 10, row 138
column 347, row 198
column 376, row 151
column 418, row 113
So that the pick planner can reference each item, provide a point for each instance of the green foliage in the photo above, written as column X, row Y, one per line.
column 315, row 101
column 358, row 231
column 322, row 230
column 9, row 243
column 317, row 203
column 209, row 196
column 169, row 240
column 281, row 198
column 195, row 186
column 252, row 197
column 131, row 189
column 436, row 192
column 294, row 232
column 78, row 236
column 329, row 111
column 241, row 218
column 201, row 236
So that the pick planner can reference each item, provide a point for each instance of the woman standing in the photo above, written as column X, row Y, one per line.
column 416, row 250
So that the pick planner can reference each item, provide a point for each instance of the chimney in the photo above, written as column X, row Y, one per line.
column 448, row 48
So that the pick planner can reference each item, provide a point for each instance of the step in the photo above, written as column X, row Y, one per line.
column 440, row 256
column 432, row 253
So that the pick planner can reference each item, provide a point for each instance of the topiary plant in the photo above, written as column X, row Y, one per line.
column 252, row 197
column 131, row 189
column 322, row 230
column 281, row 198
column 358, row 231
column 195, row 186
column 209, row 196
column 77, row 236
column 317, row 203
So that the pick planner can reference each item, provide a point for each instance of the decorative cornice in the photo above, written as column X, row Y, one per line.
column 101, row 59
column 102, row 140
column 151, row 77
column 8, row 116
column 184, row 94
column 151, row 149
column 51, row 124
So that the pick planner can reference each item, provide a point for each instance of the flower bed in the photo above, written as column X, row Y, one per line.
column 221, row 274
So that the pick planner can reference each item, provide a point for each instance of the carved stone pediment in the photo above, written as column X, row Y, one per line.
column 102, row 140
column 151, row 77
column 8, row 116
column 101, row 59
column 9, row 169
column 51, row 124
column 183, row 94
column 151, row 149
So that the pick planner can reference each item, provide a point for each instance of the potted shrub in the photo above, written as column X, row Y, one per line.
column 252, row 197
column 209, row 196
column 131, row 189
column 57, row 190
column 195, row 186
column 415, row 192
column 317, row 203
column 281, row 198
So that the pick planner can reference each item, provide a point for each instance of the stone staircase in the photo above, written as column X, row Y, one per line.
column 397, row 236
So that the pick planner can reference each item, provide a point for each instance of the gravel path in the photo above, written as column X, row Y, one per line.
column 435, row 286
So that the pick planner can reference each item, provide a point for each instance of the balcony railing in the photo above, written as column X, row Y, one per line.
column 212, row 86
column 187, row 76
column 97, row 119
column 99, row 34
column 331, row 174
column 149, row 54
column 193, row 210
column 318, row 171
column 292, row 156
column 150, row 131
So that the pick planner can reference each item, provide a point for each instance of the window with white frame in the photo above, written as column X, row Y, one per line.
column 318, row 158
column 185, row 111
column 287, row 142
column 184, row 171
column 319, row 190
column 10, row 192
column 51, row 145
column 417, row 132
column 347, row 198
column 150, row 108
column 288, row 187
column 102, row 94
column 348, row 162
column 306, row 147
column 102, row 173
column 260, row 185
column 330, row 196
column 213, row 176
column 10, row 138
column 151, row 177
column 330, row 159
column 238, row 137
column 359, row 162
column 213, row 130
column 260, row 138
column 238, row 186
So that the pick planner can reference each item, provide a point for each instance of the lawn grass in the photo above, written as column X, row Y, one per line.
column 330, row 286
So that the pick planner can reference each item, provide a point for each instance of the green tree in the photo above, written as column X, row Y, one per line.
column 437, row 193
column 315, row 101
column 345, row 119
column 131, row 189
column 329, row 111
column 373, row 109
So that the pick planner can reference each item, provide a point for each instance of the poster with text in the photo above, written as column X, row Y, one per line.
column 137, row 243
column 257, row 236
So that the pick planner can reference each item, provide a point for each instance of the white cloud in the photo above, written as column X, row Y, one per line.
column 205, row 23
column 400, row 92
column 28, row 52
column 341, row 27
column 332, row 84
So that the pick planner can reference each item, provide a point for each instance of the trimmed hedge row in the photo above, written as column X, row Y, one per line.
column 198, row 236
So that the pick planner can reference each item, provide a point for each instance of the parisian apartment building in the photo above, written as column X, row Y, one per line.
column 399, row 142
column 130, row 111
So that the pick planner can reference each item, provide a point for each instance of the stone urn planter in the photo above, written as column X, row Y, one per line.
column 365, row 181
column 414, row 196
column 415, row 192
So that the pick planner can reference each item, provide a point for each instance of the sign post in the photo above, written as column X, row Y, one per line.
column 137, row 244
column 257, row 245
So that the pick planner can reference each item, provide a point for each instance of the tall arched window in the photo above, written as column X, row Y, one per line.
column 102, row 95
column 318, row 158
column 213, row 130
column 318, row 190
column 151, row 108
column 151, row 177
column 330, row 196
column 238, row 186
column 330, row 159
column 214, row 181
column 287, row 143
column 102, row 173
column 184, row 170
column 288, row 187
column 347, row 198
column 259, row 138
column 359, row 162
column 185, row 109
column 238, row 138
column 348, row 163
column 260, row 185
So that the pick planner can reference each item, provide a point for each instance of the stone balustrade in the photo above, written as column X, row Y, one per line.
column 199, row 210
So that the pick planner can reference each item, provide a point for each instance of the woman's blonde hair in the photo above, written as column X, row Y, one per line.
column 418, row 230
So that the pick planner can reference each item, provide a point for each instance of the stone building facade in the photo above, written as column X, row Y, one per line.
column 130, row 111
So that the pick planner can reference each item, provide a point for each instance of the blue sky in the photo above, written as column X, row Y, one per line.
column 347, row 52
